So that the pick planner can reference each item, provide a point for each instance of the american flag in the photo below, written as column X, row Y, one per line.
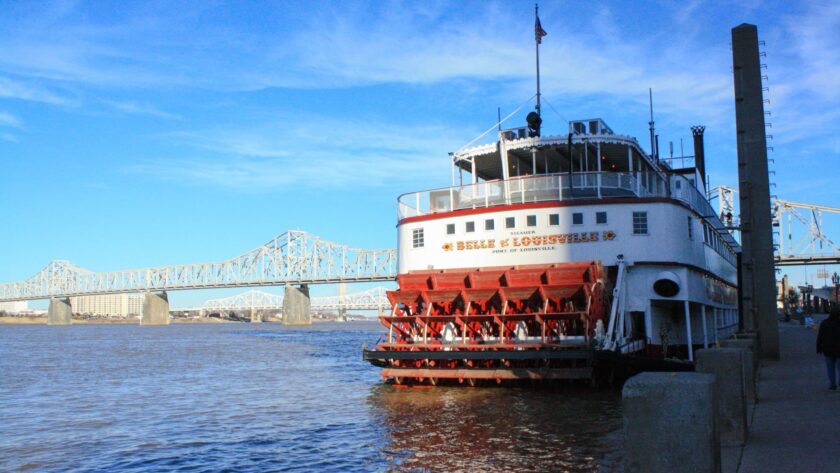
column 539, row 32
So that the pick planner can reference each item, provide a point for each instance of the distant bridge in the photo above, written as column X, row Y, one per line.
column 811, row 245
column 372, row 299
column 294, row 257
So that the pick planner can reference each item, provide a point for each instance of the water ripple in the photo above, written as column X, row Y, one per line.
column 198, row 398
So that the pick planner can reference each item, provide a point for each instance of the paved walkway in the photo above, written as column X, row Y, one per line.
column 796, row 422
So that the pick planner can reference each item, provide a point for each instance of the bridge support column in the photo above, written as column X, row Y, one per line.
column 342, row 296
column 256, row 317
column 296, row 305
column 155, row 309
column 60, row 312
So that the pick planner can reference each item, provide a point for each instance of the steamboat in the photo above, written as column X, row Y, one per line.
column 558, row 257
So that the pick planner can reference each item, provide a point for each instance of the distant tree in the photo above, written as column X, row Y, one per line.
column 793, row 297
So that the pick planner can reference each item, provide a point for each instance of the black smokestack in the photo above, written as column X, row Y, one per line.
column 699, row 152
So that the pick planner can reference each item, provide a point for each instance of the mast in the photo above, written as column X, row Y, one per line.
column 539, row 32
column 653, row 151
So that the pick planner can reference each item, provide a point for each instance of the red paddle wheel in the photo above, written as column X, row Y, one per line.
column 492, row 324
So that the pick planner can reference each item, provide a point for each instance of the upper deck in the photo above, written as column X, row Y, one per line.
column 586, row 186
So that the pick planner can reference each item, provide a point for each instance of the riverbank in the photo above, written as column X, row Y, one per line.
column 42, row 320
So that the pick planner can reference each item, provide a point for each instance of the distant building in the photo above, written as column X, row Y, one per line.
column 14, row 307
column 108, row 305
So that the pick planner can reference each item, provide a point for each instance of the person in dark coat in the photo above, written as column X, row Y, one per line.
column 828, row 344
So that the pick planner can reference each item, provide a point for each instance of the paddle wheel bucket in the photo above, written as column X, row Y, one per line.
column 497, row 325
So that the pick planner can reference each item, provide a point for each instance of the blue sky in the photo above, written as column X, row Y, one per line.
column 138, row 134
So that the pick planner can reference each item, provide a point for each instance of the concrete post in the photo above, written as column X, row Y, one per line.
column 155, row 309
column 296, row 305
column 749, row 365
column 728, row 367
column 256, row 317
column 60, row 312
column 758, row 281
column 670, row 423
column 753, row 337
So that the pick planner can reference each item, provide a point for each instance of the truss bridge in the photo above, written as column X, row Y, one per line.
column 799, row 229
column 294, row 259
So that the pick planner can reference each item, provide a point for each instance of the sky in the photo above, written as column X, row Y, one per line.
column 136, row 134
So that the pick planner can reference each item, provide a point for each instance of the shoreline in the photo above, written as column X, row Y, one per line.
column 42, row 320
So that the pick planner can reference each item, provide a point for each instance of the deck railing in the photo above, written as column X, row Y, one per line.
column 559, row 187
column 528, row 189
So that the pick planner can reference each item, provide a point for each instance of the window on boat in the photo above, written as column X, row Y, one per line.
column 450, row 228
column 706, row 233
column 470, row 227
column 554, row 219
column 577, row 219
column 690, row 230
column 489, row 224
column 600, row 217
column 510, row 222
column 417, row 237
column 532, row 221
column 640, row 224
column 678, row 184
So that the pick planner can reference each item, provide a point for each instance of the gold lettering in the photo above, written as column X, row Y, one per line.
column 460, row 245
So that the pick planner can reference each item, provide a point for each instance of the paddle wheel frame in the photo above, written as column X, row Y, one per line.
column 493, row 324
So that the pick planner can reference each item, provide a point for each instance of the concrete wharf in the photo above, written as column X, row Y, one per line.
column 795, row 425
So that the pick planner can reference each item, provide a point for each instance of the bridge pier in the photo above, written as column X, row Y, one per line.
column 296, row 305
column 342, row 305
column 256, row 317
column 155, row 309
column 60, row 312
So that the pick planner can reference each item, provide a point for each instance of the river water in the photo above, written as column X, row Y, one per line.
column 263, row 397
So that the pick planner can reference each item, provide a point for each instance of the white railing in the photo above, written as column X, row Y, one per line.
column 527, row 189
column 558, row 187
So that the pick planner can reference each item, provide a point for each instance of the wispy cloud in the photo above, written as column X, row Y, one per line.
column 136, row 108
column 9, row 120
column 9, row 137
column 322, row 153
column 29, row 90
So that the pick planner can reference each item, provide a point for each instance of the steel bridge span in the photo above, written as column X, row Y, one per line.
column 799, row 230
column 292, row 258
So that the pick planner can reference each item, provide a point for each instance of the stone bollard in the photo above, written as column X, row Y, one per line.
column 727, row 364
column 750, row 365
column 750, row 335
column 670, row 423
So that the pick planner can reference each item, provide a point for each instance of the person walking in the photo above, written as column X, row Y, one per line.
column 828, row 344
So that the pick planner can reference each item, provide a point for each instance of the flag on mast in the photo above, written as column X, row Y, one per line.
column 539, row 32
